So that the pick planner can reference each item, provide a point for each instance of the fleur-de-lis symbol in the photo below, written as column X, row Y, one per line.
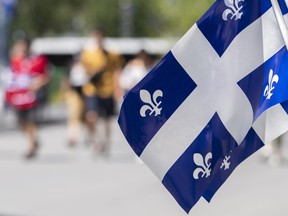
column 270, row 87
column 233, row 10
column 204, row 166
column 152, row 105
column 225, row 163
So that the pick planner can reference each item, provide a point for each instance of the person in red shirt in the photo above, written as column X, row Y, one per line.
column 27, row 90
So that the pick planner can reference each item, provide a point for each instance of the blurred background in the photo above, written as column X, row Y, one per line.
column 61, row 172
column 58, row 29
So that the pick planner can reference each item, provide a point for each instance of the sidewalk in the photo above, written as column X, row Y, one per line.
column 73, row 182
column 52, row 114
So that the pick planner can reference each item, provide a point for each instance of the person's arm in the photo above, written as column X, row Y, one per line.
column 41, row 77
column 39, row 82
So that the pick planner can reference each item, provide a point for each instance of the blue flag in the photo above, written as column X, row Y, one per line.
column 217, row 97
column 9, row 8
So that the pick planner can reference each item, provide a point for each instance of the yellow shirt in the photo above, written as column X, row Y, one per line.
column 106, row 63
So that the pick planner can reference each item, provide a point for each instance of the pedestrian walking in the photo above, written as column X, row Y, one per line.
column 135, row 70
column 102, row 91
column 74, row 99
column 27, row 90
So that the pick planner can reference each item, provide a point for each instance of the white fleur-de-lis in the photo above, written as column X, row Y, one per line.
column 233, row 10
column 272, row 79
column 225, row 163
column 203, row 169
column 152, row 105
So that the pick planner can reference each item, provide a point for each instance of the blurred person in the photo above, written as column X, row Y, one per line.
column 272, row 152
column 74, row 99
column 102, row 91
column 27, row 89
column 135, row 70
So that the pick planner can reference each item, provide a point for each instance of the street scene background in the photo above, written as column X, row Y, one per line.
column 59, row 177
column 64, row 181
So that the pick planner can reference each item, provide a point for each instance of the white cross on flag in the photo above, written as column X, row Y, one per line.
column 217, row 97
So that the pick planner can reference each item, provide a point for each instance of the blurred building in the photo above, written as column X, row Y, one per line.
column 60, row 50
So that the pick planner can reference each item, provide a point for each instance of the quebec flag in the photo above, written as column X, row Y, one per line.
column 216, row 98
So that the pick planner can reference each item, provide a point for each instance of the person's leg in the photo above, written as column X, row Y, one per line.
column 31, row 131
column 73, row 132
column 107, row 136
column 28, row 126
column 91, row 117
column 107, row 112
column 75, row 114
column 275, row 157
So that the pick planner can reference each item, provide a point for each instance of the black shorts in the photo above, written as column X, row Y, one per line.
column 106, row 107
column 25, row 116
column 91, row 103
column 30, row 115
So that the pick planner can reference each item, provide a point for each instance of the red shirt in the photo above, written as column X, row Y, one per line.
column 24, row 70
column 32, row 66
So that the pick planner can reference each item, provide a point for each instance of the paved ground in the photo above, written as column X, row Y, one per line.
column 73, row 182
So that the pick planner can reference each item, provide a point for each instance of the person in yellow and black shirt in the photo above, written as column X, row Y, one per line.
column 101, row 93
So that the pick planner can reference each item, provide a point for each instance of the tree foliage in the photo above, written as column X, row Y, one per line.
column 149, row 17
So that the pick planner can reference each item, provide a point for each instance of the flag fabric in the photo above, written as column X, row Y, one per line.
column 217, row 97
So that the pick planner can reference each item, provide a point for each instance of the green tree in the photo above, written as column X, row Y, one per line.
column 45, row 17
column 181, row 15
column 150, row 17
